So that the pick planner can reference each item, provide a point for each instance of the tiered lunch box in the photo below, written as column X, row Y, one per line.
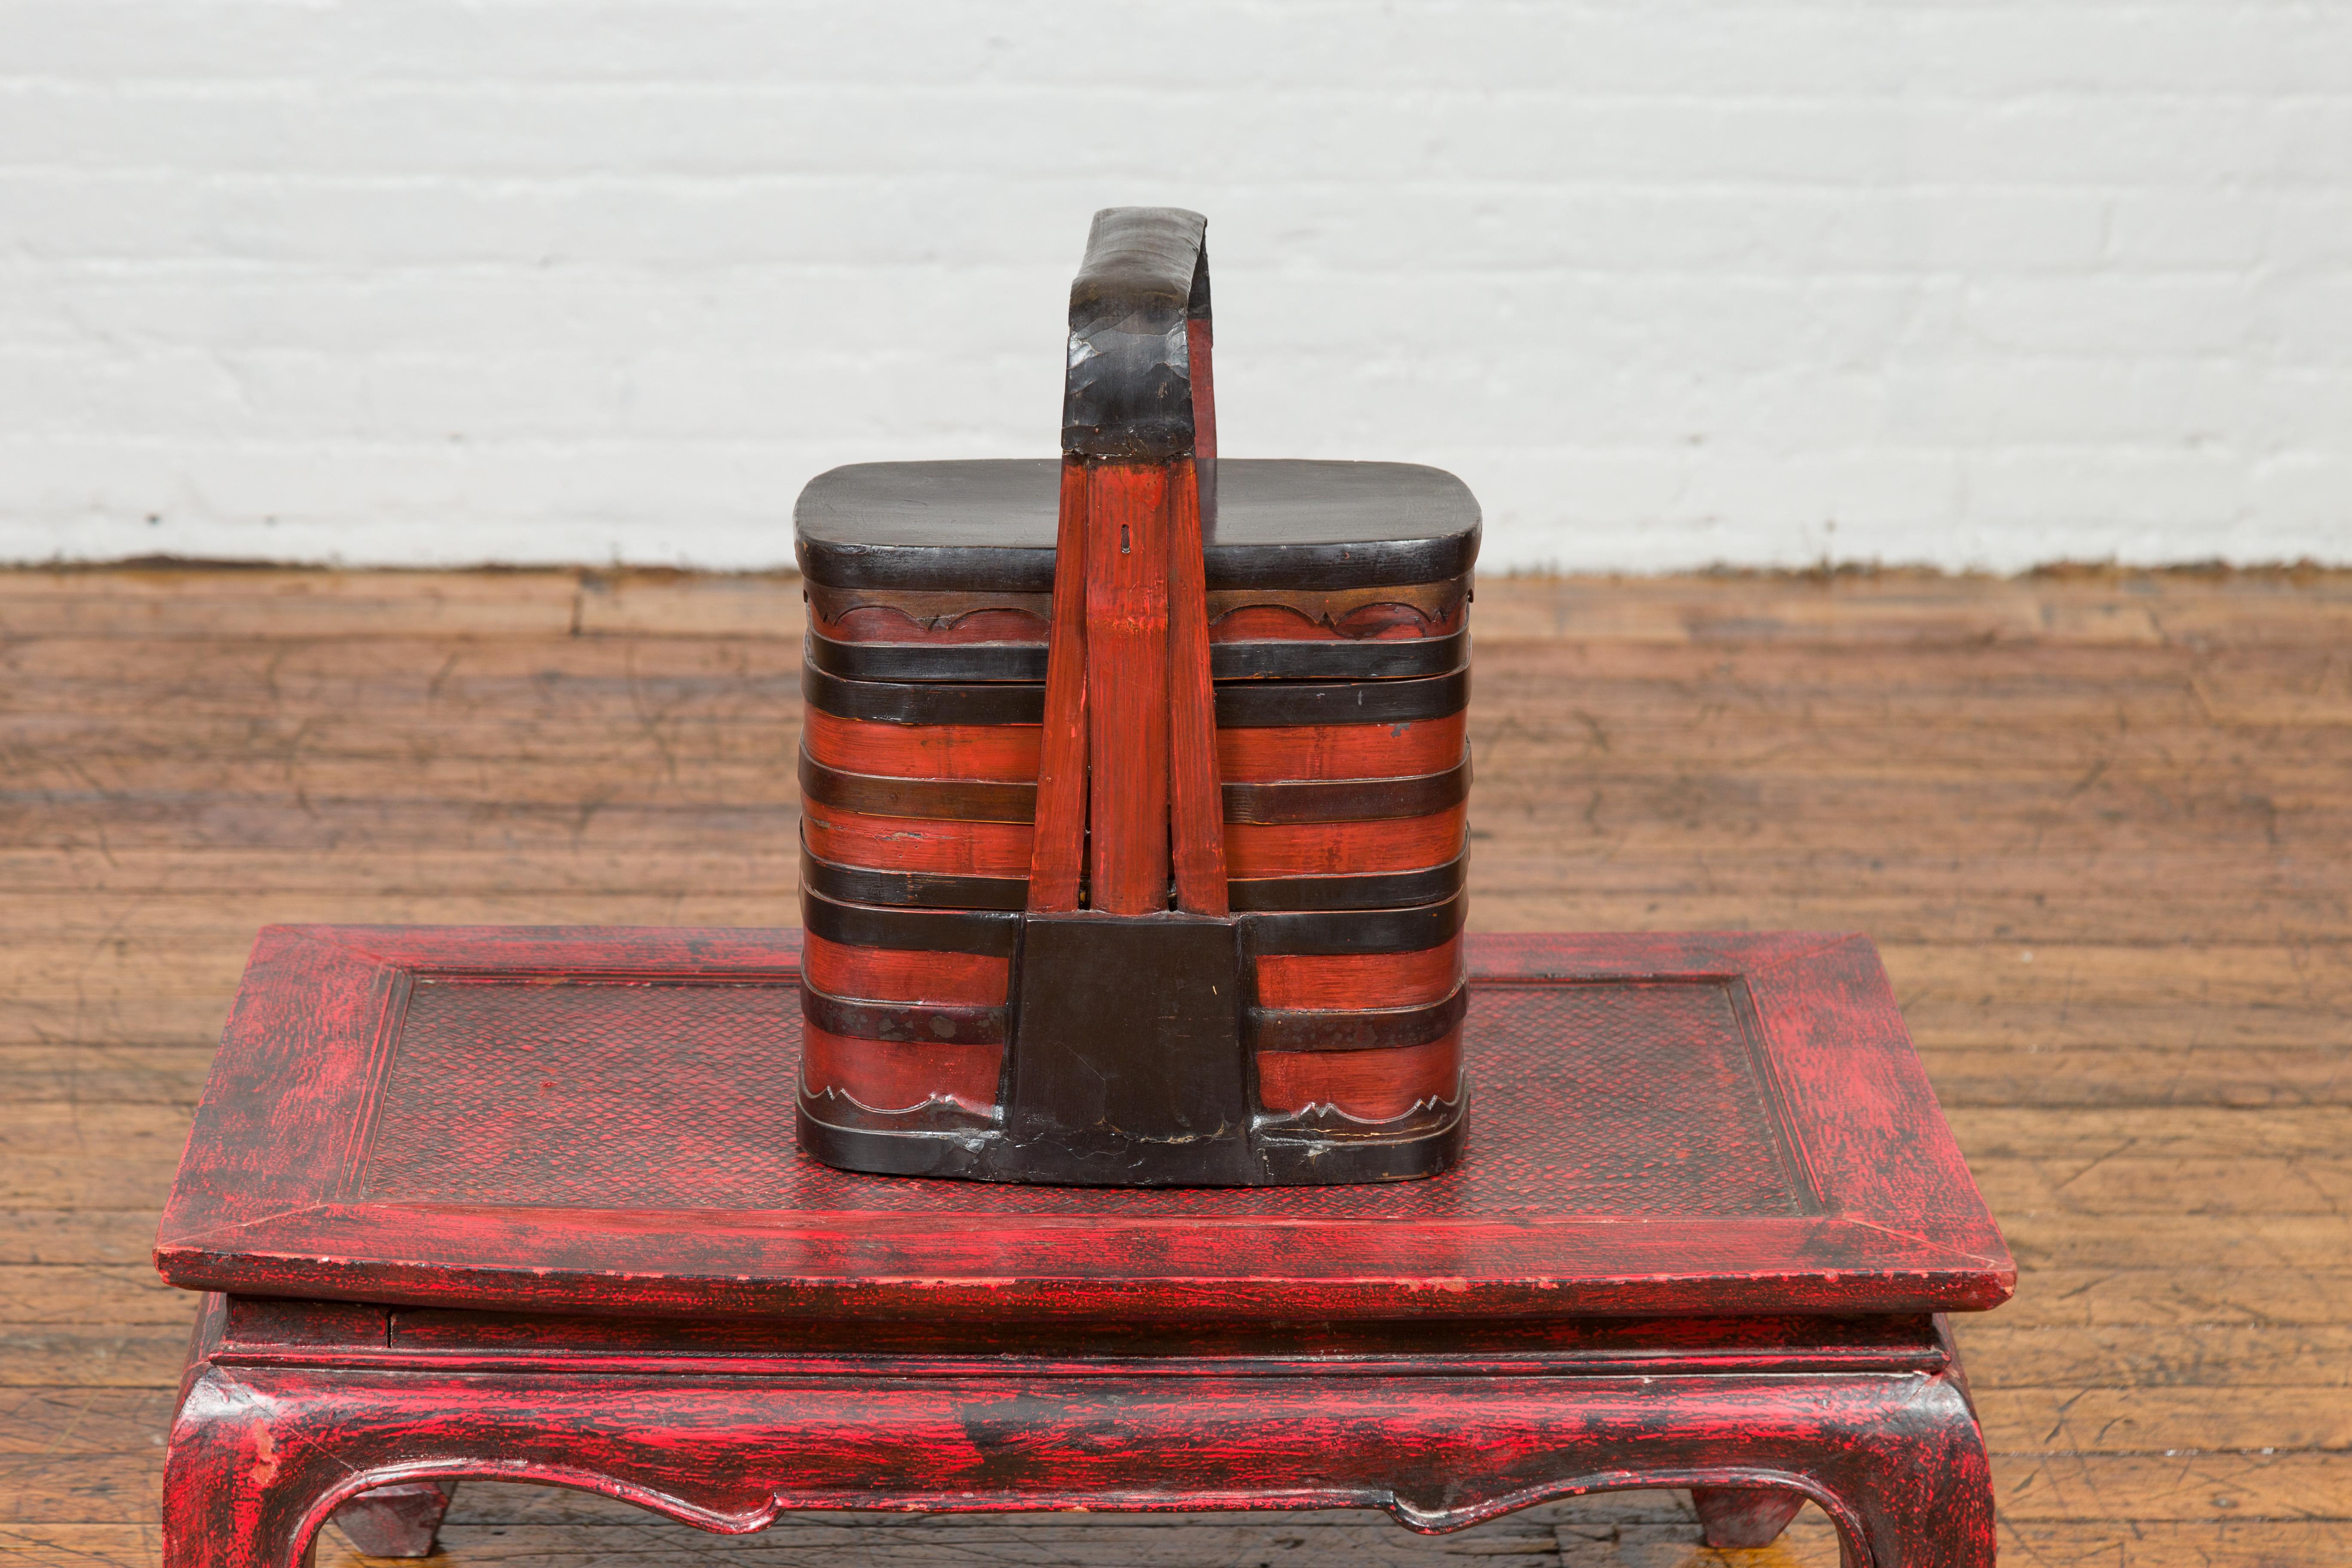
column 1133, row 788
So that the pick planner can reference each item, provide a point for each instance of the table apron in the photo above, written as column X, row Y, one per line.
column 730, row 1454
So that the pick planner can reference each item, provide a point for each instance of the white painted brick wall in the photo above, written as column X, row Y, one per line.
column 1750, row 281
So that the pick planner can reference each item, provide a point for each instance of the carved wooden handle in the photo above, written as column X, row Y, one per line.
column 1138, row 386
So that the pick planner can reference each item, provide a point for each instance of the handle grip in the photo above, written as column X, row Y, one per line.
column 1139, row 387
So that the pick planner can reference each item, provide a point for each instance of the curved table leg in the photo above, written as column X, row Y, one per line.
column 261, row 1455
column 1906, row 1483
column 233, row 1495
column 259, row 1458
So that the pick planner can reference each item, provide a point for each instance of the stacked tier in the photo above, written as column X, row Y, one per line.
column 1337, row 597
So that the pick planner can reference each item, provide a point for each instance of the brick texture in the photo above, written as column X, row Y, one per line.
column 1747, row 281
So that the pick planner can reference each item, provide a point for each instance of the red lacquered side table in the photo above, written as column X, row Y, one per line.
column 525, row 1205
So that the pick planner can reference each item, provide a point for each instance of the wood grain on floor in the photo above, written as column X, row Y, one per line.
column 2101, row 825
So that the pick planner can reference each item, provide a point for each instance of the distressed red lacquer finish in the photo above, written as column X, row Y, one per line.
column 1059, row 855
column 285, row 1420
column 553, row 1118
column 1127, row 685
column 1196, row 828
column 526, row 1203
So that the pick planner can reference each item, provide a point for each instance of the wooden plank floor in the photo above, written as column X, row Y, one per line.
column 2101, row 825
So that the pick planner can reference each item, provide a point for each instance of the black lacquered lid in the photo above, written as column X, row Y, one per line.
column 1277, row 524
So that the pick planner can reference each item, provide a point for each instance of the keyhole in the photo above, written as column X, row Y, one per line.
column 1122, row 540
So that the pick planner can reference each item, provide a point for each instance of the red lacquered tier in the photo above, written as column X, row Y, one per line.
column 601, row 1120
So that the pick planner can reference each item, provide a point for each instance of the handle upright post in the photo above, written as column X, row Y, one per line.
column 1128, row 769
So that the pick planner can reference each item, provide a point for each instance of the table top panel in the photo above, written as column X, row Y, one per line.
column 1607, row 1099
column 603, row 1121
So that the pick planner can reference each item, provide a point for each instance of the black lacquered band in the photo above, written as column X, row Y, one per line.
column 1337, row 933
column 896, row 703
column 1266, row 705
column 929, row 889
column 972, row 661
column 993, row 933
column 987, row 933
column 1339, row 658
column 1302, row 658
column 860, row 885
column 909, row 1022
column 1385, row 1029
column 1331, row 1132
column 1315, row 1147
column 1349, row 800
column 1374, row 891
column 1292, row 803
column 1241, row 705
column 950, row 800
